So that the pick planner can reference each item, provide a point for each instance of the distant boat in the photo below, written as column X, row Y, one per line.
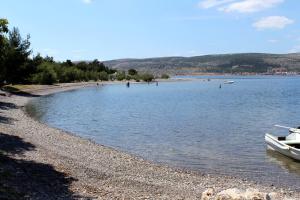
column 287, row 145
column 228, row 82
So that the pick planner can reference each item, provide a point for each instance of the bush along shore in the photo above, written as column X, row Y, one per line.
column 19, row 66
column 40, row 162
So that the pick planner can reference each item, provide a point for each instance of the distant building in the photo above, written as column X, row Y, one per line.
column 279, row 70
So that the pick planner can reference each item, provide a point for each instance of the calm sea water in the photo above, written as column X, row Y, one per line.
column 192, row 124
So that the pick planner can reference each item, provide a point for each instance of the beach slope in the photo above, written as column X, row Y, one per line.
column 40, row 162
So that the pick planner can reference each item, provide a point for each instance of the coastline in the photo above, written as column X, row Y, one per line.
column 102, row 172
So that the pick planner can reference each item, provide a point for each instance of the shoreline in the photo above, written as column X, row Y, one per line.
column 103, row 172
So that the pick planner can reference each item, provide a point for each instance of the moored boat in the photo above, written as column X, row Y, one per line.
column 287, row 145
column 228, row 82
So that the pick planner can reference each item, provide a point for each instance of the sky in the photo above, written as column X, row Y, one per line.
column 114, row 29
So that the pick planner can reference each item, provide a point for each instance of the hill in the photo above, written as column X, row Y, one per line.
column 223, row 63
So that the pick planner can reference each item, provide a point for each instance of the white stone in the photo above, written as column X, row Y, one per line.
column 207, row 194
column 236, row 194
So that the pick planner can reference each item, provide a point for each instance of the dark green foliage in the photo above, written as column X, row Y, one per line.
column 103, row 76
column 3, row 48
column 120, row 76
column 70, row 74
column 17, row 56
column 112, row 77
column 45, row 75
column 132, row 72
column 137, row 78
column 68, row 63
column 147, row 77
column 3, row 26
column 165, row 76
column 14, row 52
column 49, row 59
column 128, row 78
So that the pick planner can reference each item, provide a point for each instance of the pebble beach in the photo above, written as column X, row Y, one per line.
column 48, row 163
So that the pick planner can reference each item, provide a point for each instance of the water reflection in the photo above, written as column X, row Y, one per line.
column 286, row 163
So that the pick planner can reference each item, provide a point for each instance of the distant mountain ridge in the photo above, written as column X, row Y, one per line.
column 220, row 63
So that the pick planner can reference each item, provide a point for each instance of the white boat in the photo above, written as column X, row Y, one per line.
column 228, row 82
column 286, row 145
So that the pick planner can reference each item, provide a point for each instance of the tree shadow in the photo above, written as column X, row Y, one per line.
column 14, row 144
column 25, row 94
column 6, row 120
column 6, row 106
column 23, row 179
column 16, row 91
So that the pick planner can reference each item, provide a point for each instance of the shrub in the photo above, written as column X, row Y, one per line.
column 128, row 78
column 120, row 76
column 112, row 77
column 45, row 75
column 165, row 76
column 132, row 72
column 136, row 77
column 147, row 77
column 103, row 76
column 71, row 74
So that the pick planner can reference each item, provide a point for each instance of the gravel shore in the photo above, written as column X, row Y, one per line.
column 47, row 163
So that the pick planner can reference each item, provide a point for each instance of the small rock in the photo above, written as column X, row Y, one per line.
column 272, row 196
column 229, row 194
column 207, row 194
column 236, row 194
column 254, row 194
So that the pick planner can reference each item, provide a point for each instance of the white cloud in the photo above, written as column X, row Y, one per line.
column 273, row 41
column 213, row 3
column 241, row 6
column 272, row 22
column 87, row 1
column 249, row 6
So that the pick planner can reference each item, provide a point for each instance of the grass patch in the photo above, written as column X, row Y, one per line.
column 20, row 88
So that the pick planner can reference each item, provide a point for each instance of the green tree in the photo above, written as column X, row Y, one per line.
column 71, row 74
column 68, row 63
column 165, row 76
column 136, row 77
column 46, row 74
column 121, row 76
column 147, row 77
column 82, row 66
column 132, row 72
column 17, row 56
column 128, row 78
column 49, row 59
column 3, row 48
column 103, row 76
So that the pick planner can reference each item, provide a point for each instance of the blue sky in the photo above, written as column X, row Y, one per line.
column 111, row 29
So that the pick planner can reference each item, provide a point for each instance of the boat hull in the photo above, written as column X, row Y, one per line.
column 274, row 144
